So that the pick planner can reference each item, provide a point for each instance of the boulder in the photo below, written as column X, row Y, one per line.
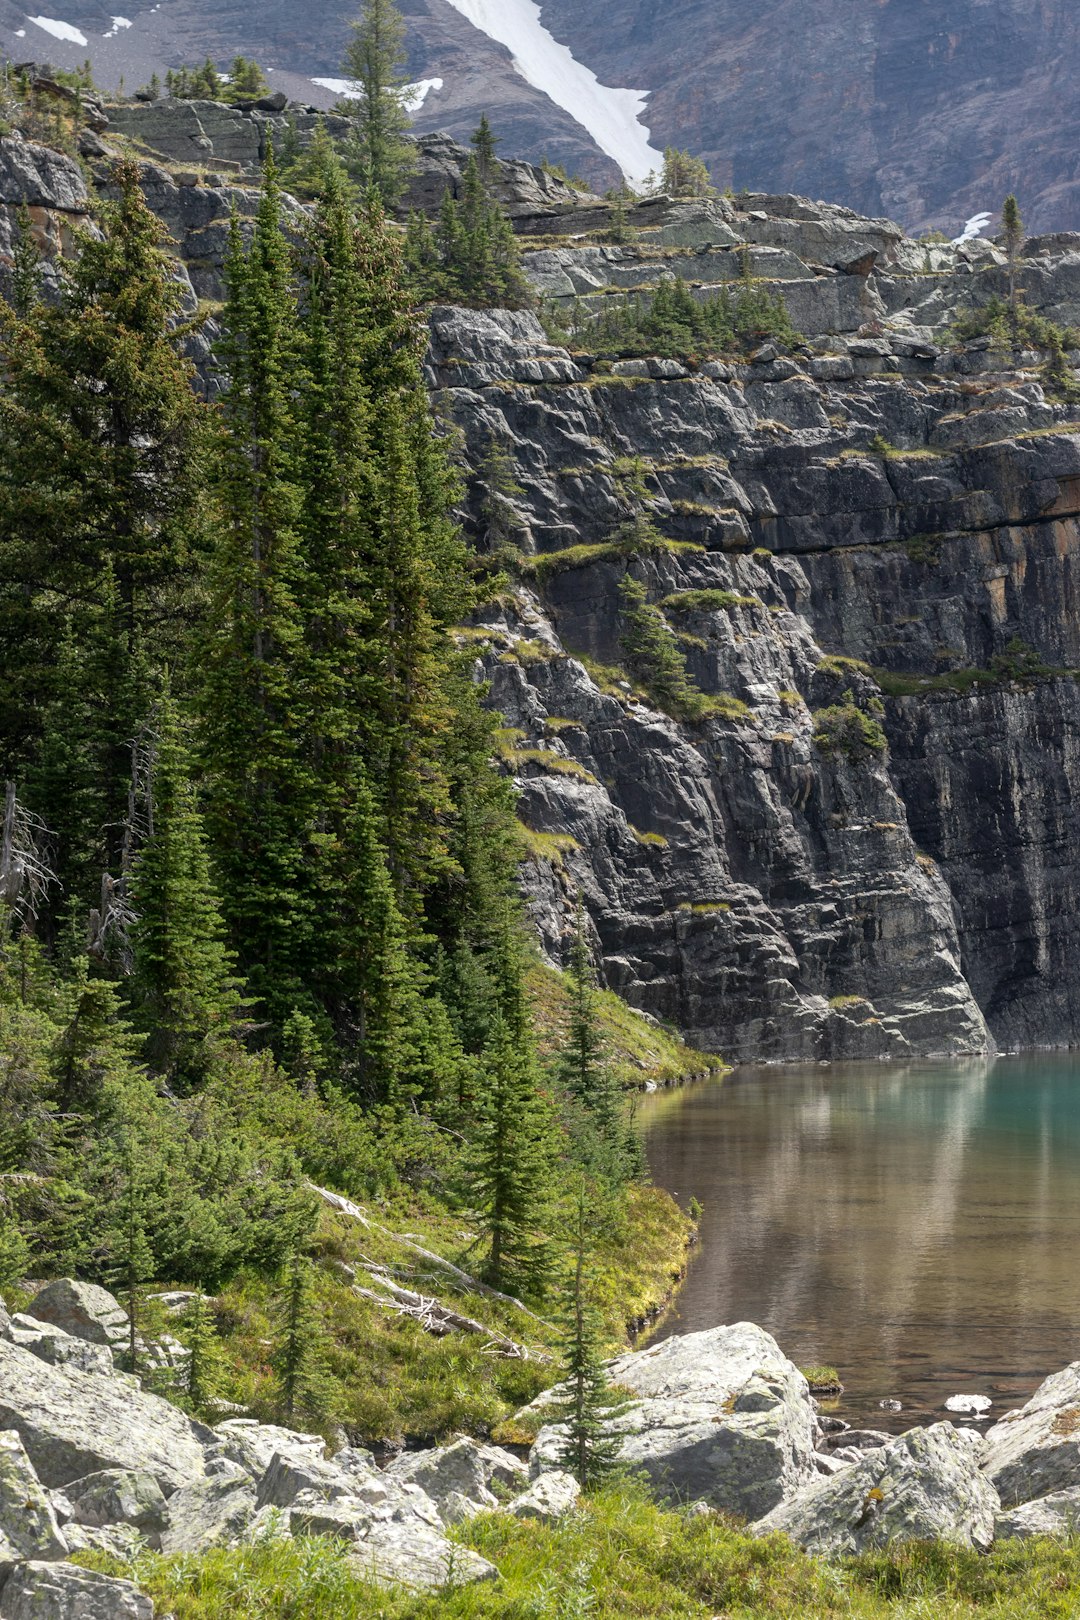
column 75, row 1423
column 458, row 1470
column 1036, row 1450
column 61, row 1592
column 416, row 1556
column 28, row 1522
column 288, row 1475
column 214, row 1512
column 255, row 1445
column 721, row 1416
column 82, row 1310
column 118, row 1540
column 1055, row 1515
column 549, row 1498
column 118, row 1496
column 924, row 1485
column 52, row 1344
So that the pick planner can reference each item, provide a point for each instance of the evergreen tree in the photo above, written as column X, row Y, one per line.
column 262, row 796
column 685, row 176
column 1012, row 231
column 499, row 489
column 511, row 1162
column 183, row 988
column 25, row 265
column 306, row 1388
column 247, row 80
column 204, row 1370
column 604, row 1139
column 101, row 471
column 484, row 142
column 653, row 654
column 592, row 1445
column 375, row 62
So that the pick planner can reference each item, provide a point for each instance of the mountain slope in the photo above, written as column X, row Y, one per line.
column 927, row 112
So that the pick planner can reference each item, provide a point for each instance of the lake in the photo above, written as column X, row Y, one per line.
column 916, row 1227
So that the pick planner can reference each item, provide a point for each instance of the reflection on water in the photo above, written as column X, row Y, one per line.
column 915, row 1226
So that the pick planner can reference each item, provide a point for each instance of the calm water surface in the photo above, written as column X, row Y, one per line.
column 917, row 1227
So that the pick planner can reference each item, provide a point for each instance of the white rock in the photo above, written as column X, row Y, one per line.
column 923, row 1485
column 976, row 1405
column 1055, row 1515
column 62, row 1592
column 549, row 1498
column 1036, row 1450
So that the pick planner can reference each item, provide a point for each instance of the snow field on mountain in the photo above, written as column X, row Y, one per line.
column 612, row 117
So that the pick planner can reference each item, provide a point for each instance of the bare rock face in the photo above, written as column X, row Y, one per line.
column 28, row 1522
column 721, row 1417
column 925, row 1485
column 39, row 1591
column 74, row 1423
column 1035, row 1451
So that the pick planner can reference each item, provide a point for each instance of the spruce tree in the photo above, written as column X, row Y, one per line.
column 512, row 1156
column 25, row 265
column 204, row 1371
column 484, row 141
column 262, row 796
column 101, row 476
column 183, row 988
column 591, row 1447
column 305, row 1385
column 375, row 61
column 605, row 1142
column 1012, row 231
column 654, row 656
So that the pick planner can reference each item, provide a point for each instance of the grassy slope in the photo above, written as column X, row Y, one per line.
column 624, row 1558
column 398, row 1381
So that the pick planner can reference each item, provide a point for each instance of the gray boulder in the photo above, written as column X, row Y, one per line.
column 61, row 1592
column 52, row 1344
column 255, row 1445
column 118, row 1496
column 288, row 1475
column 1036, row 1450
column 118, row 1540
column 419, row 1557
column 721, row 1416
column 76, row 1423
column 549, row 1498
column 215, row 1512
column 82, row 1310
column 923, row 1485
column 459, row 1470
column 1055, row 1515
column 28, row 1523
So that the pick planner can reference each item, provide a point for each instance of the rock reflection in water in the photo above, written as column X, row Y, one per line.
column 914, row 1226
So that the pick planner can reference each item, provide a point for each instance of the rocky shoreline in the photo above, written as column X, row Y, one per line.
column 718, row 1421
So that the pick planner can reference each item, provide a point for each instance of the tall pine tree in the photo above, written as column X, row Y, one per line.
column 375, row 62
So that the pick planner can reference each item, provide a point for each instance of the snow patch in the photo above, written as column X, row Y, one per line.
column 117, row 24
column 612, row 117
column 60, row 30
column 414, row 94
column 974, row 227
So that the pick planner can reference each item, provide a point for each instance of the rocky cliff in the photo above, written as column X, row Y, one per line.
column 871, row 564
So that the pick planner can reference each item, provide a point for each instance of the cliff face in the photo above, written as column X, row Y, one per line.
column 894, row 522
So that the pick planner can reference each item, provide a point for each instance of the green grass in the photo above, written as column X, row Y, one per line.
column 623, row 1558
column 639, row 1050
column 549, row 761
column 549, row 563
column 706, row 601
column 821, row 1378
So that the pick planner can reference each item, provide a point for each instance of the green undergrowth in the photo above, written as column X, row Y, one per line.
column 639, row 1050
column 706, row 601
column 398, row 1383
column 1018, row 664
column 549, row 563
column 624, row 1558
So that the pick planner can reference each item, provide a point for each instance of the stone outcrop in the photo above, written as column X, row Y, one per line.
column 1055, row 1515
column 925, row 1485
column 721, row 1417
column 1035, row 1451
column 38, row 1591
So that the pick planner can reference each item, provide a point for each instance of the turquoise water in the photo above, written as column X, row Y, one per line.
column 916, row 1227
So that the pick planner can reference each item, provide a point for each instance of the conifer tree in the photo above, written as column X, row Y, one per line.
column 512, row 1157
column 25, row 265
column 184, row 987
column 605, row 1142
column 499, row 488
column 484, row 142
column 375, row 62
column 262, row 795
column 306, row 1388
column 101, row 472
column 204, row 1371
column 1012, row 231
column 591, row 1447
column 654, row 655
